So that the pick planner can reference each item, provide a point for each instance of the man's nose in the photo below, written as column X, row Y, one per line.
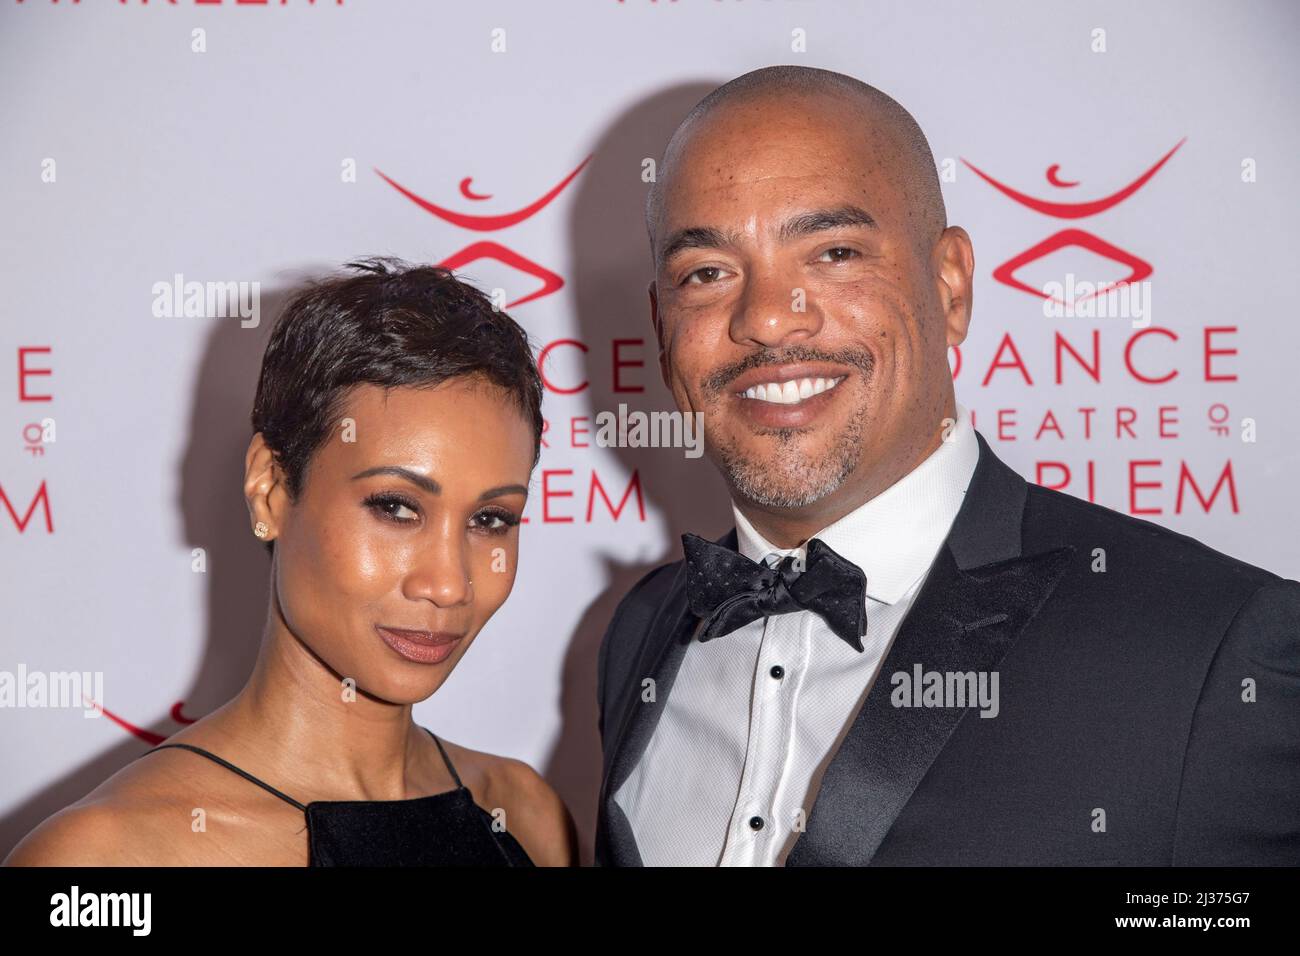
column 774, row 310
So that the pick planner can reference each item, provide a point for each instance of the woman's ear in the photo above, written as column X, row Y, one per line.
column 264, row 490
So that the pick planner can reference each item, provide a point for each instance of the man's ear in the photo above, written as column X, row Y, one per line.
column 955, row 275
column 264, row 489
column 658, row 324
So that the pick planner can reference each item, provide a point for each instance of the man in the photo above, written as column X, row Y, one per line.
column 798, row 692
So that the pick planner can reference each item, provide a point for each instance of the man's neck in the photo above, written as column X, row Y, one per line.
column 791, row 527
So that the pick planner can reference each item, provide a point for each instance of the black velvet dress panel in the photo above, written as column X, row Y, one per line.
column 445, row 829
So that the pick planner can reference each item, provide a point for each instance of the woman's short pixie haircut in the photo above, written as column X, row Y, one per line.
column 389, row 324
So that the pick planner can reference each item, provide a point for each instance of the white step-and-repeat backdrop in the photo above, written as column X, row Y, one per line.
column 151, row 145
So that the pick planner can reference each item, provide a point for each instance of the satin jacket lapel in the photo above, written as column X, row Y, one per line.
column 980, row 595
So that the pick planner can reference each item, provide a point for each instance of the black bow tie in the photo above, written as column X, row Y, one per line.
column 729, row 590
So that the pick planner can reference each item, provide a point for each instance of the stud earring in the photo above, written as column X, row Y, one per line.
column 261, row 530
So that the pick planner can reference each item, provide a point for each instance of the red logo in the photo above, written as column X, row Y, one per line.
column 1138, row 268
column 148, row 736
column 487, row 249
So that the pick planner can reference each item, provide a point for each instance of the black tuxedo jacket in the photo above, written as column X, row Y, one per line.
column 1149, row 714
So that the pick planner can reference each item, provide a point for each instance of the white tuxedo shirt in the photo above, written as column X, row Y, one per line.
column 754, row 716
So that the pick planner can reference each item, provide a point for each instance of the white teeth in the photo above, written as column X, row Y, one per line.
column 793, row 391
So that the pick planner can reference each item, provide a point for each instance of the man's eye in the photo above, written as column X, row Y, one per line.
column 713, row 272
column 850, row 253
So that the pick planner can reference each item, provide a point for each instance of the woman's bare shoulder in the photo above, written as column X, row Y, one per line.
column 155, row 811
column 115, row 824
column 532, row 811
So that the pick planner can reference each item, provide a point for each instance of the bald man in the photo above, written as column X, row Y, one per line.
column 903, row 653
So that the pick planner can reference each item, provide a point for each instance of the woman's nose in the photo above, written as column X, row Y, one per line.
column 440, row 572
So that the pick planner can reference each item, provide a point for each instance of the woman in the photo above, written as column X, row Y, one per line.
column 397, row 422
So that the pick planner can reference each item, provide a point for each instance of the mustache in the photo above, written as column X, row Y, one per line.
column 720, row 378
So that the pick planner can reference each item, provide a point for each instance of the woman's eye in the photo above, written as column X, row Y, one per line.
column 850, row 253
column 495, row 522
column 392, row 508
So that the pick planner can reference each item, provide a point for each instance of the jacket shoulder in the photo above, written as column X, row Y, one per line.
column 1053, row 519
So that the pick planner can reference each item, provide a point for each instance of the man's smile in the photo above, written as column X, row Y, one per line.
column 791, row 391
column 783, row 396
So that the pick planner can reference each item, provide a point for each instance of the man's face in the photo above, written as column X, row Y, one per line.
column 795, row 306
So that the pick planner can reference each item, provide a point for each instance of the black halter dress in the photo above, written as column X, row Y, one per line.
column 443, row 829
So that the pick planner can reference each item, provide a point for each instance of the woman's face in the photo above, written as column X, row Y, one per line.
column 404, row 539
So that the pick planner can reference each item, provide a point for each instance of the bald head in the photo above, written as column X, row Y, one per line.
column 790, row 90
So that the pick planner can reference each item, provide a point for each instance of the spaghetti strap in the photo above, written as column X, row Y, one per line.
column 443, row 829
column 230, row 766
column 445, row 758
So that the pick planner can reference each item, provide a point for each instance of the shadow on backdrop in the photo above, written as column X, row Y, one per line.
column 214, row 518
column 611, row 270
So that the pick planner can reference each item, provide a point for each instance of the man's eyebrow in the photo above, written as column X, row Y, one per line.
column 431, row 486
column 694, row 237
column 819, row 220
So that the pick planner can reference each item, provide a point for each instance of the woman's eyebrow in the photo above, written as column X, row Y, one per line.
column 431, row 486
column 503, row 490
column 414, row 477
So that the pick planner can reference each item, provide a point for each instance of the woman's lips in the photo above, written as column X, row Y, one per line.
column 422, row 647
